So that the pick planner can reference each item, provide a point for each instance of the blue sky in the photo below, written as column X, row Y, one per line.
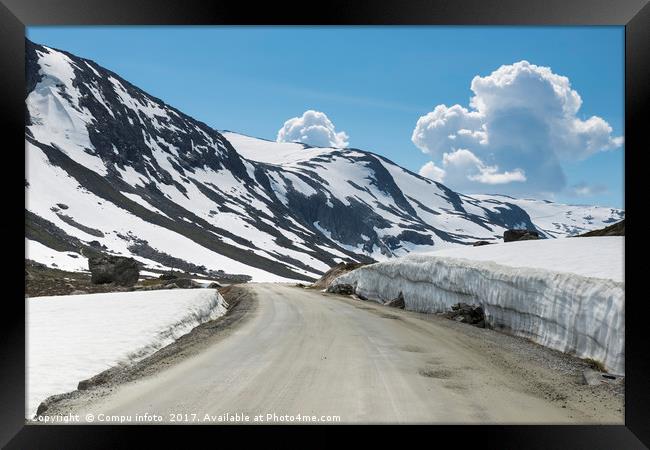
column 373, row 83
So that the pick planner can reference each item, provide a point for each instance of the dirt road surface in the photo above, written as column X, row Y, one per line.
column 303, row 352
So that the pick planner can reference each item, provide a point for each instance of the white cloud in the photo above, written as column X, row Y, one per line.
column 522, row 122
column 433, row 172
column 312, row 128
column 463, row 164
column 443, row 128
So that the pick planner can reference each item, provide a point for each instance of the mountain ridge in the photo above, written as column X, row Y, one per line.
column 136, row 173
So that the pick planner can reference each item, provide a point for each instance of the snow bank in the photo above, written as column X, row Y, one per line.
column 72, row 338
column 566, row 294
column 598, row 257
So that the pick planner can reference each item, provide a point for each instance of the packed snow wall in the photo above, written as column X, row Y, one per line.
column 74, row 337
column 579, row 315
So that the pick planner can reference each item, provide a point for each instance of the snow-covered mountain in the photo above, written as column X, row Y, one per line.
column 558, row 220
column 111, row 168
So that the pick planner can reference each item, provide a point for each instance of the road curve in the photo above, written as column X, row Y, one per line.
column 304, row 352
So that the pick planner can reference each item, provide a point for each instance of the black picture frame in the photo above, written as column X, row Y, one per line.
column 16, row 14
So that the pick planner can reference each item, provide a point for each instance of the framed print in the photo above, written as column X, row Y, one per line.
column 286, row 220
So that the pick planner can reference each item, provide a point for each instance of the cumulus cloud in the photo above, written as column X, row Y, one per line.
column 430, row 170
column 445, row 128
column 521, row 123
column 312, row 128
column 463, row 164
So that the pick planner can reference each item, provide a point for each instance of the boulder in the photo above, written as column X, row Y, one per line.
column 397, row 302
column 341, row 289
column 214, row 285
column 519, row 235
column 471, row 314
column 593, row 378
column 97, row 245
column 97, row 380
column 113, row 269
column 167, row 276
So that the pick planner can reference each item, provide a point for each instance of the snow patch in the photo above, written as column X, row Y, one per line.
column 70, row 261
column 57, row 117
column 72, row 338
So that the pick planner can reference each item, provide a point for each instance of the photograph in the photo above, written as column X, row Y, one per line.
column 324, row 225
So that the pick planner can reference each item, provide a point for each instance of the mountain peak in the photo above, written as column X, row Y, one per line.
column 141, row 178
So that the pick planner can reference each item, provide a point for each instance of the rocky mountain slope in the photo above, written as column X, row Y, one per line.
column 617, row 229
column 113, row 169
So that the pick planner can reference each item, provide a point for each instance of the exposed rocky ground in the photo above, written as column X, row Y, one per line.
column 464, row 313
column 341, row 289
column 617, row 229
column 41, row 280
column 338, row 270
column 519, row 235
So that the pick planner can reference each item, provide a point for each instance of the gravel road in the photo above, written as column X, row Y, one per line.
column 296, row 352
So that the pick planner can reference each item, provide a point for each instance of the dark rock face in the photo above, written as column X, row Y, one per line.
column 96, row 244
column 397, row 302
column 70, row 221
column 480, row 243
column 519, row 235
column 142, row 248
column 167, row 276
column 617, row 229
column 341, row 289
column 48, row 234
column 214, row 285
column 471, row 314
column 113, row 269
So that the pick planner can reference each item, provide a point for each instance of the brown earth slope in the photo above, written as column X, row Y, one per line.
column 617, row 229
column 336, row 271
